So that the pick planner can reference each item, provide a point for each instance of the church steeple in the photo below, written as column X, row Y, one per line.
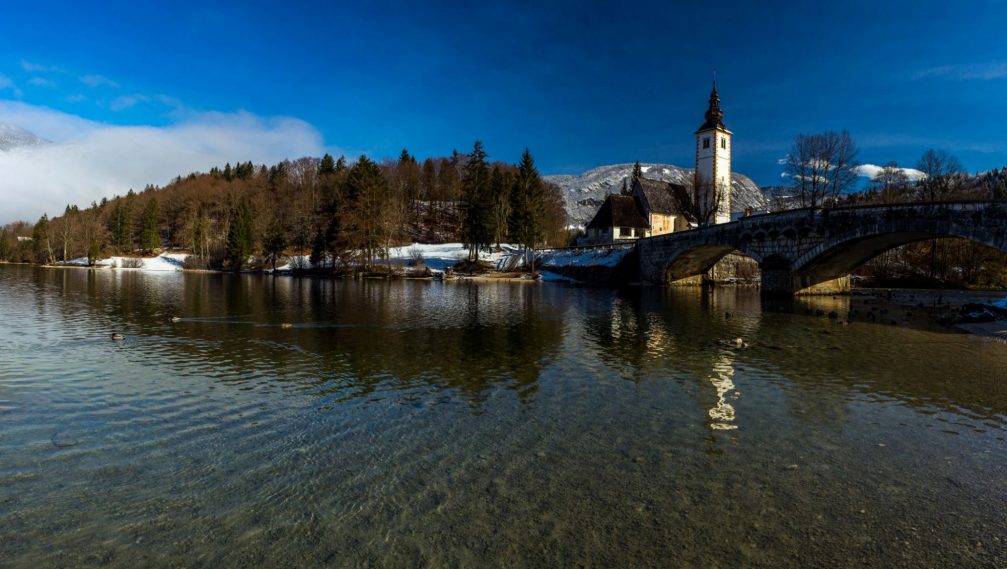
column 713, row 164
column 714, row 116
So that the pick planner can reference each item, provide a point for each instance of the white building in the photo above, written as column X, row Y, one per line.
column 713, row 165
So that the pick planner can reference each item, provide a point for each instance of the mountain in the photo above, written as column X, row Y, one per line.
column 586, row 192
column 13, row 137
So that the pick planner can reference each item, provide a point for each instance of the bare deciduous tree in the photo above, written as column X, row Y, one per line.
column 822, row 166
column 942, row 174
column 891, row 183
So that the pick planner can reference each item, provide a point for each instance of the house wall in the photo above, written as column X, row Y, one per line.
column 662, row 223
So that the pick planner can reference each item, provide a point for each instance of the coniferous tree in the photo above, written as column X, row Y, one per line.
column 200, row 235
column 274, row 242
column 1000, row 190
column 319, row 251
column 478, row 231
column 150, row 238
column 637, row 174
column 6, row 250
column 41, row 238
column 327, row 165
column 527, row 206
column 366, row 193
column 120, row 227
column 239, row 235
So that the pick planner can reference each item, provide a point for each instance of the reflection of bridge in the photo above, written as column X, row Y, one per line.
column 814, row 250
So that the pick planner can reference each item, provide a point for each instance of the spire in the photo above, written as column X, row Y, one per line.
column 714, row 116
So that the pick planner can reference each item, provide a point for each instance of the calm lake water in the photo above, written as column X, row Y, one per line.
column 410, row 424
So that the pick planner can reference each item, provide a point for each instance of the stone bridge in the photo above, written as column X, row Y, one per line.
column 813, row 251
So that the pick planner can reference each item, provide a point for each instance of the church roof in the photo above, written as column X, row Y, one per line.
column 714, row 116
column 619, row 211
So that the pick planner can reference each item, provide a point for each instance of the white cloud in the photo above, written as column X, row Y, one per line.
column 98, row 81
column 41, row 82
column 90, row 160
column 38, row 67
column 871, row 171
column 6, row 83
column 971, row 71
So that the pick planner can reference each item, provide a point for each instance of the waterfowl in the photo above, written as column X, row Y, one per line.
column 117, row 336
column 286, row 325
column 175, row 319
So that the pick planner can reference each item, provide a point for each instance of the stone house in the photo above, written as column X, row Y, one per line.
column 650, row 209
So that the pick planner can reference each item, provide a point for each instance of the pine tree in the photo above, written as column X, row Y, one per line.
column 150, row 239
column 1000, row 190
column 366, row 193
column 239, row 235
column 42, row 241
column 274, row 242
column 527, row 206
column 93, row 252
column 637, row 173
column 477, row 228
column 199, row 234
column 319, row 250
column 5, row 246
column 327, row 165
column 120, row 226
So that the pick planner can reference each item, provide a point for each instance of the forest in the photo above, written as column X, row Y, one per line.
column 345, row 216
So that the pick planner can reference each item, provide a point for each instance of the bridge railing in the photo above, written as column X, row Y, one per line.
column 589, row 248
column 799, row 213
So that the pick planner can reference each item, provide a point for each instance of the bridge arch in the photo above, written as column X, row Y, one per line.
column 843, row 252
column 799, row 249
column 697, row 260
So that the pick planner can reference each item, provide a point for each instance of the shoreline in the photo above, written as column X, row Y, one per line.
column 941, row 303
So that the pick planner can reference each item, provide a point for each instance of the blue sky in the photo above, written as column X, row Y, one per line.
column 582, row 84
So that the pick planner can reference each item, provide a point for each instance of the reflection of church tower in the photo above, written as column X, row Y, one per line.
column 713, row 165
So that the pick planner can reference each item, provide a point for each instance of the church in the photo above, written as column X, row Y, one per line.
column 655, row 207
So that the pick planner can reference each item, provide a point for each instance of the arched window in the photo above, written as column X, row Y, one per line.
column 706, row 142
column 723, row 143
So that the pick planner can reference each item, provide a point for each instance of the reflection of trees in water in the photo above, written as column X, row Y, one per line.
column 353, row 339
column 349, row 339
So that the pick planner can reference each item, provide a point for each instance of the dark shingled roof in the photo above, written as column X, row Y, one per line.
column 659, row 196
column 619, row 211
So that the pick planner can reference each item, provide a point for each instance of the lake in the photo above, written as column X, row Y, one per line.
column 491, row 424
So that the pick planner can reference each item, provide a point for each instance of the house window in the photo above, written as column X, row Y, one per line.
column 625, row 232
column 723, row 143
column 706, row 142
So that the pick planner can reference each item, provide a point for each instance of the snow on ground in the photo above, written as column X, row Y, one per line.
column 590, row 257
column 160, row 263
column 434, row 257
column 437, row 258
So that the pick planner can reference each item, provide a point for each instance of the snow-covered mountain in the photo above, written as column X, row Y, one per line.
column 13, row 136
column 586, row 192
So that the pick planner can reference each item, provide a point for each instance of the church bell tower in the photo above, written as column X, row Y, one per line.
column 713, row 165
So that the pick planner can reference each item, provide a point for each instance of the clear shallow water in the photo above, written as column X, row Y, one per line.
column 424, row 424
